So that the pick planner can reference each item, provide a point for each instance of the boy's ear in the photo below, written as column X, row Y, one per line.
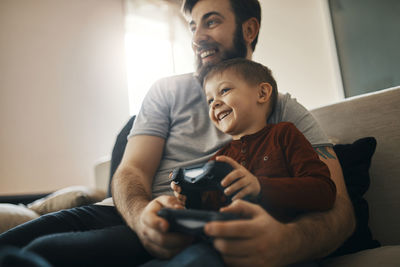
column 264, row 92
column 250, row 29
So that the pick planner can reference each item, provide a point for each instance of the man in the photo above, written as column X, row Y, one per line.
column 172, row 128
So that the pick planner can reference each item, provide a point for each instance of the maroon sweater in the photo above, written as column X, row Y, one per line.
column 292, row 177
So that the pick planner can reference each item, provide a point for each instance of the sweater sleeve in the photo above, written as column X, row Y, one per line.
column 309, row 187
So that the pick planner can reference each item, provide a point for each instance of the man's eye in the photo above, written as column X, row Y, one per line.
column 209, row 101
column 211, row 22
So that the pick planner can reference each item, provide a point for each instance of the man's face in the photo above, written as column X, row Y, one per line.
column 215, row 34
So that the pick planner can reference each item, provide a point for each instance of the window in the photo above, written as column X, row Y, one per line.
column 367, row 39
column 157, row 43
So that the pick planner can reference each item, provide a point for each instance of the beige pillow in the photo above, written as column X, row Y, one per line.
column 12, row 215
column 67, row 198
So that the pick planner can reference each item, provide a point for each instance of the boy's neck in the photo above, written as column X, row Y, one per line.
column 251, row 132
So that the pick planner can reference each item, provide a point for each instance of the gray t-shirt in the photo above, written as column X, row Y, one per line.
column 175, row 109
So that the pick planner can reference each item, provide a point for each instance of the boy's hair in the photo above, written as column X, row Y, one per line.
column 251, row 72
column 242, row 9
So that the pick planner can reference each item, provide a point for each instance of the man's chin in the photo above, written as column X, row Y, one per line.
column 206, row 64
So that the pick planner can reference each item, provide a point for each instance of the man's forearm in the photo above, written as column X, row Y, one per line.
column 130, row 195
column 131, row 184
column 319, row 234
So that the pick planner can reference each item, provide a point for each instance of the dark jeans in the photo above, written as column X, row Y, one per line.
column 86, row 236
column 197, row 255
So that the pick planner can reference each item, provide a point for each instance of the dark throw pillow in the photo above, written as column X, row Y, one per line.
column 355, row 160
column 119, row 149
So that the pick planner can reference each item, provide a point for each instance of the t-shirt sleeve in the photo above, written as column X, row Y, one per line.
column 289, row 110
column 309, row 187
column 154, row 115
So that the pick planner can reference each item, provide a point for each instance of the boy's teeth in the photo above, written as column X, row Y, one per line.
column 223, row 115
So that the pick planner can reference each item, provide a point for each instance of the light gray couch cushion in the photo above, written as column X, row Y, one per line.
column 377, row 115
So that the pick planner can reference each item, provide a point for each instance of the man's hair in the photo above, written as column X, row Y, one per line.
column 251, row 72
column 242, row 9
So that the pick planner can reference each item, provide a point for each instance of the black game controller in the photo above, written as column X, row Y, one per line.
column 192, row 221
column 200, row 178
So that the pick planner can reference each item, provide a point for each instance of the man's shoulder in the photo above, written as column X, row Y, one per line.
column 179, row 78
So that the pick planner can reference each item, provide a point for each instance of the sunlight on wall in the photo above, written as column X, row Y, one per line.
column 153, row 51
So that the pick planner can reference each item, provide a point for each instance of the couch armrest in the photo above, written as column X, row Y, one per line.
column 21, row 199
column 102, row 173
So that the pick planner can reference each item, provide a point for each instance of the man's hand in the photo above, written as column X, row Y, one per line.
column 153, row 230
column 239, row 180
column 257, row 240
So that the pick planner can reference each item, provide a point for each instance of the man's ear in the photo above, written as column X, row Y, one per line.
column 264, row 92
column 250, row 28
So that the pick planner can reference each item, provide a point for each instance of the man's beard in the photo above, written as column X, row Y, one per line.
column 239, row 50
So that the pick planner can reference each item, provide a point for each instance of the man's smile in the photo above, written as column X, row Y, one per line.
column 207, row 53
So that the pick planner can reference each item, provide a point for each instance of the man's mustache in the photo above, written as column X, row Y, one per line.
column 204, row 45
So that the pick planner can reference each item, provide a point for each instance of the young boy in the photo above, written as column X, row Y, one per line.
column 274, row 164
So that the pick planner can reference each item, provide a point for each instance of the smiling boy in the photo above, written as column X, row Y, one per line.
column 273, row 163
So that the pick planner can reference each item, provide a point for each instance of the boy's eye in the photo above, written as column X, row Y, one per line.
column 225, row 90
column 209, row 101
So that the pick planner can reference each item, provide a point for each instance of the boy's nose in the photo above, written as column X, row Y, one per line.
column 216, row 103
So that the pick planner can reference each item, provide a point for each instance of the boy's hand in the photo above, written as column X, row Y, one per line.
column 239, row 180
column 177, row 191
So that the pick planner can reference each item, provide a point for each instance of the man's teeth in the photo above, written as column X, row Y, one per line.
column 223, row 115
column 207, row 53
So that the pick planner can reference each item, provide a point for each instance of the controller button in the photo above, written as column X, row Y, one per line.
column 243, row 163
column 243, row 150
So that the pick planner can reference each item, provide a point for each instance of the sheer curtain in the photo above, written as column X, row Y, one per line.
column 157, row 43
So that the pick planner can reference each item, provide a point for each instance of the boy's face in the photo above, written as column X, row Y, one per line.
column 215, row 35
column 234, row 105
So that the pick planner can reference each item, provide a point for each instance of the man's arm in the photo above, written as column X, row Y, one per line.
column 131, row 190
column 326, row 231
column 263, row 241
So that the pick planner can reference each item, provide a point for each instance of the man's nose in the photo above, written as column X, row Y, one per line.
column 199, row 37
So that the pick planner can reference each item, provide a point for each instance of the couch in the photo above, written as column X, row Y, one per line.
column 366, row 133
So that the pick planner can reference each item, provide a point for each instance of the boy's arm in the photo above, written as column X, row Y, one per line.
column 307, row 189
column 131, row 190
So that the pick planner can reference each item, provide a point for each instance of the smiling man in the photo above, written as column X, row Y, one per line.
column 173, row 130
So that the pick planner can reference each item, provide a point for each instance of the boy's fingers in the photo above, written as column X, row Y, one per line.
column 242, row 193
column 175, row 187
column 228, row 160
column 236, row 186
column 231, row 177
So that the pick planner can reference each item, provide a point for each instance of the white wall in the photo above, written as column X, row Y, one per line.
column 63, row 91
column 296, row 42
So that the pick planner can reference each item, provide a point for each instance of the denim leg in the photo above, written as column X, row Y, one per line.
column 197, row 255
